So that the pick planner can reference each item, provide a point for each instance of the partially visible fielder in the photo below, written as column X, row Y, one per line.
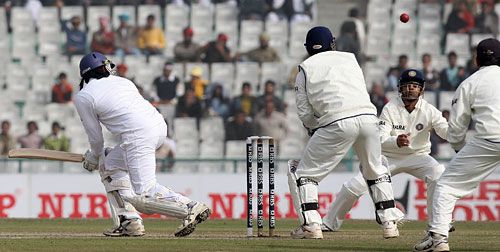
column 405, row 126
column 334, row 106
column 128, row 170
column 476, row 98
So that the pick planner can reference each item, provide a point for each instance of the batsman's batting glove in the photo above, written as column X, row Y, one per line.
column 90, row 162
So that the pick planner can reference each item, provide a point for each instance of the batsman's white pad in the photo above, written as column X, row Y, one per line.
column 356, row 185
column 294, row 191
column 149, row 205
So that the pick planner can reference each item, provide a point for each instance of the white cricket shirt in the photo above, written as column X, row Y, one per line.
column 116, row 103
column 396, row 120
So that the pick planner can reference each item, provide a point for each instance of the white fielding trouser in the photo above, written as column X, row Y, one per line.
column 326, row 149
column 471, row 165
column 421, row 166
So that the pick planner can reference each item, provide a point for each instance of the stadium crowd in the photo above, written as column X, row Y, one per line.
column 253, row 107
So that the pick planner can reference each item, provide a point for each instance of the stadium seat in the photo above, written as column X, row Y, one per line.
column 377, row 46
column 291, row 148
column 187, row 148
column 223, row 73
column 50, row 34
column 273, row 71
column 143, row 11
column 185, row 128
column 428, row 44
column 48, row 17
column 176, row 19
column 404, row 6
column 134, row 63
column 429, row 11
column 212, row 129
column 202, row 21
column 21, row 17
column 297, row 35
column 235, row 149
column 246, row 72
column 429, row 26
column 430, row 97
column 3, row 22
column 249, row 34
column 403, row 45
column 211, row 150
column 123, row 9
column 476, row 38
column 93, row 15
column 378, row 10
column 459, row 43
column 229, row 26
column 278, row 33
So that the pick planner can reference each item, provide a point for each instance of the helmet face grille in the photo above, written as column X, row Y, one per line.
column 410, row 91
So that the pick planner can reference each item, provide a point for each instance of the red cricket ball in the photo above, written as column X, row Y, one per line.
column 404, row 18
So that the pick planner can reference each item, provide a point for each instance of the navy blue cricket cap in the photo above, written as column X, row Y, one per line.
column 412, row 76
column 319, row 39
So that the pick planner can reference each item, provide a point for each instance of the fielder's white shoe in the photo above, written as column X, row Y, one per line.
column 390, row 229
column 128, row 227
column 311, row 231
column 433, row 242
column 197, row 214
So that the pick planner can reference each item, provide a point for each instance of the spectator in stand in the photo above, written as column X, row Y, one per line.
column 56, row 140
column 471, row 66
column 62, row 91
column 151, row 38
column 263, row 53
column 126, row 38
column 270, row 122
column 487, row 20
column 269, row 94
column 189, row 105
column 460, row 19
column 32, row 139
column 430, row 73
column 217, row 104
column 7, row 140
column 378, row 97
column 449, row 76
column 245, row 102
column 197, row 83
column 348, row 40
column 394, row 72
column 292, row 10
column 253, row 9
column 103, row 40
column 122, row 71
column 239, row 126
column 166, row 84
column 216, row 51
column 360, row 28
column 187, row 50
column 76, row 39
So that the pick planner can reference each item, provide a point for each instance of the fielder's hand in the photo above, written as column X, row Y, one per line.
column 403, row 140
column 90, row 162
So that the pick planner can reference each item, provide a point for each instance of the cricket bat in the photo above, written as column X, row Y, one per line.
column 46, row 154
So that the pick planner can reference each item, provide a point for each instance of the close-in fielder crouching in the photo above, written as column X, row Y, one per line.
column 405, row 126
column 128, row 170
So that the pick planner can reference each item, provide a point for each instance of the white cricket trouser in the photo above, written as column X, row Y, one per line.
column 134, row 159
column 328, row 146
column 421, row 166
column 472, row 164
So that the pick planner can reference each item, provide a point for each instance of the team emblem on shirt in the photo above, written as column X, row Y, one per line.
column 419, row 126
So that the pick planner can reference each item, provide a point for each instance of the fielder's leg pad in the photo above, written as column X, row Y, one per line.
column 385, row 204
column 308, row 193
column 149, row 205
column 381, row 192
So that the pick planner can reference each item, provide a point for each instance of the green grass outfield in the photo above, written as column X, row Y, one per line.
column 229, row 235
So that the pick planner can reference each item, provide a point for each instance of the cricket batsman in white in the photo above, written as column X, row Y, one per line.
column 128, row 170
column 405, row 126
column 476, row 98
column 334, row 106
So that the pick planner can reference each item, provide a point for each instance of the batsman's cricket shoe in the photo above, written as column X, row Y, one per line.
column 335, row 228
column 128, row 227
column 433, row 242
column 198, row 213
column 390, row 229
column 310, row 231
